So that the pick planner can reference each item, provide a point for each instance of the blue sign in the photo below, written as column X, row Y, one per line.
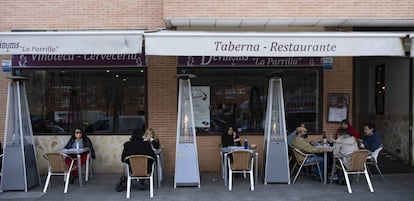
column 6, row 65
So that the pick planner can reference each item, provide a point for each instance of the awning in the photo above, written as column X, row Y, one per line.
column 77, row 42
column 271, row 44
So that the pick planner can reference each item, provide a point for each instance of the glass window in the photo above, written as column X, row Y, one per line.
column 96, row 100
column 239, row 97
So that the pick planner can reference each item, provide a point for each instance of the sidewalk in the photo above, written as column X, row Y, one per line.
column 397, row 187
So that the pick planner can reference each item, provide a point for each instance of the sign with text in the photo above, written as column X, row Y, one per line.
column 187, row 43
column 86, row 60
column 57, row 43
column 245, row 61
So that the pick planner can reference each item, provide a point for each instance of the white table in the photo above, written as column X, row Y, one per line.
column 224, row 165
column 327, row 148
column 78, row 153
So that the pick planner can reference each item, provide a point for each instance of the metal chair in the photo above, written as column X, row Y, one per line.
column 300, row 159
column 58, row 167
column 242, row 163
column 372, row 159
column 138, row 169
column 357, row 166
column 1, row 158
column 88, row 166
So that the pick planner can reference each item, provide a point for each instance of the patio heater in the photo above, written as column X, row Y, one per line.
column 19, row 161
column 276, row 160
column 187, row 171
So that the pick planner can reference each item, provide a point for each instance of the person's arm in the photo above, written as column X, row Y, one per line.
column 124, row 153
column 155, row 143
column 88, row 144
column 353, row 132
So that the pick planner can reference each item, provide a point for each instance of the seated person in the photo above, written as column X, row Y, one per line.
column 78, row 140
column 302, row 144
column 137, row 145
column 149, row 136
column 345, row 145
column 230, row 138
column 293, row 134
column 372, row 139
column 346, row 125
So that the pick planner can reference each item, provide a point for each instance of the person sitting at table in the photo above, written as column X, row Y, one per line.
column 149, row 136
column 78, row 140
column 346, row 125
column 293, row 133
column 230, row 138
column 372, row 139
column 300, row 142
column 345, row 145
column 137, row 145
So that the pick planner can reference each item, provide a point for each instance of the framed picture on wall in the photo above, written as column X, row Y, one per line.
column 338, row 106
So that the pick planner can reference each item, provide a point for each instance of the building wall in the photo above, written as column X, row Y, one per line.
column 80, row 14
column 162, row 85
column 285, row 9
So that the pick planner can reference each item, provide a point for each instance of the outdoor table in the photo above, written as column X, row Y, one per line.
column 224, row 165
column 78, row 153
column 327, row 149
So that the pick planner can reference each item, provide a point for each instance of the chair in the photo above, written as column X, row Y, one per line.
column 88, row 166
column 357, row 166
column 57, row 166
column 373, row 160
column 138, row 169
column 242, row 163
column 300, row 158
column 1, row 159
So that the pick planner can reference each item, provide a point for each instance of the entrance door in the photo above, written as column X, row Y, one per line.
column 382, row 96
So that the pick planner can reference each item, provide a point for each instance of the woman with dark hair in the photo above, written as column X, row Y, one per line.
column 78, row 140
column 372, row 139
column 347, row 126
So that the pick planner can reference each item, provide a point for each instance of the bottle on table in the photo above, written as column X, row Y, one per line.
column 246, row 144
column 324, row 140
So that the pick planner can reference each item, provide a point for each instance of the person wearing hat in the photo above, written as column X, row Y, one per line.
column 302, row 144
column 293, row 134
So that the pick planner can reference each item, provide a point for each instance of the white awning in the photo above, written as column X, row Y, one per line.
column 271, row 44
column 77, row 42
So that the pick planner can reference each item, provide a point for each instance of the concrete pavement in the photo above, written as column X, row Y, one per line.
column 397, row 187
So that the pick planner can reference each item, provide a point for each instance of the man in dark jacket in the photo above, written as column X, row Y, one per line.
column 137, row 145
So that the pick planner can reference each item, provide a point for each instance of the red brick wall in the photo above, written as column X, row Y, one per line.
column 381, row 9
column 80, row 14
column 162, row 104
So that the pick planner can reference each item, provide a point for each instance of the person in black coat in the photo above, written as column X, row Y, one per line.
column 230, row 138
column 137, row 145
column 78, row 140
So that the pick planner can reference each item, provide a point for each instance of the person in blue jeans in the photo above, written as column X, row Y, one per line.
column 300, row 142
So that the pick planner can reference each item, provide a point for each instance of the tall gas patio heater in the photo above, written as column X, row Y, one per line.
column 19, row 161
column 276, row 160
column 187, row 171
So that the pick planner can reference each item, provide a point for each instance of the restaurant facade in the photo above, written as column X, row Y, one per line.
column 112, row 67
